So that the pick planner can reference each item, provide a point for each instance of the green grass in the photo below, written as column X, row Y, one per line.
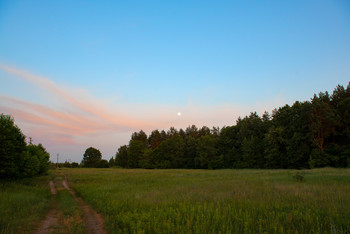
column 185, row 201
column 23, row 204
column 217, row 201
column 69, row 214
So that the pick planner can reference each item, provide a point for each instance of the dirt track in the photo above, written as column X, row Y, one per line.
column 93, row 222
column 51, row 217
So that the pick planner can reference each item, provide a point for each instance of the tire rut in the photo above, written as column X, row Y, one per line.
column 93, row 222
column 51, row 217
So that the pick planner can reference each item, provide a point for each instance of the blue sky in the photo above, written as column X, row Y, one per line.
column 141, row 62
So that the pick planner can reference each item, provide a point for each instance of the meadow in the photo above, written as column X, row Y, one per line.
column 217, row 201
column 23, row 204
column 184, row 201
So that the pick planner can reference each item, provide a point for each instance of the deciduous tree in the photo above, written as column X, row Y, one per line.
column 91, row 157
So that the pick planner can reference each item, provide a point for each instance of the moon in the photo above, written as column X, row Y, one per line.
column 179, row 113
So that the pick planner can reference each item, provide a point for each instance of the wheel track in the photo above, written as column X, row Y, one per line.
column 51, row 217
column 93, row 222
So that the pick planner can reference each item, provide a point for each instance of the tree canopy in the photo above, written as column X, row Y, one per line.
column 17, row 159
column 307, row 134
column 92, row 158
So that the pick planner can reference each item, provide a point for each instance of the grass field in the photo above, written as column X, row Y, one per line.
column 23, row 204
column 185, row 201
column 217, row 201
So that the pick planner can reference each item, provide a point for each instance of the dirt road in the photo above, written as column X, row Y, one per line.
column 51, row 217
column 93, row 222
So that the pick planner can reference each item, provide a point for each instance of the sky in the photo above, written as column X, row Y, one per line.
column 76, row 74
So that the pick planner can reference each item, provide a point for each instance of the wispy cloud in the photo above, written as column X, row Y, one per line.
column 74, row 114
column 89, row 106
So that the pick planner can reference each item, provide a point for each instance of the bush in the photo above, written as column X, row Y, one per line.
column 102, row 164
column 299, row 177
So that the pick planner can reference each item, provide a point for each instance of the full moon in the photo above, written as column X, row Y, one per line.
column 179, row 113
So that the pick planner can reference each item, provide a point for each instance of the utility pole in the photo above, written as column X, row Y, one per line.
column 57, row 161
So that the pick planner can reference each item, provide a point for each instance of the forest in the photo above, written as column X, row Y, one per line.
column 307, row 134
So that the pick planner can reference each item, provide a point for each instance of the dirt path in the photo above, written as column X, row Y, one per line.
column 93, row 222
column 52, row 188
column 51, row 217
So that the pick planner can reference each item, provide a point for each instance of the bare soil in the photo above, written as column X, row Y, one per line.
column 93, row 222
column 48, row 223
column 52, row 188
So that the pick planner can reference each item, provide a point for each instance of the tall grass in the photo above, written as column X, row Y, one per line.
column 221, row 201
column 23, row 204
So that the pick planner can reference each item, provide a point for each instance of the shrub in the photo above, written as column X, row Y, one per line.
column 299, row 177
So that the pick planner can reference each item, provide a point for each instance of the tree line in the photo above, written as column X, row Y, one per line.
column 17, row 158
column 307, row 134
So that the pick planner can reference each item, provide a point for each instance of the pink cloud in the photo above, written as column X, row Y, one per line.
column 49, row 113
column 86, row 104
column 74, row 121
column 27, row 117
